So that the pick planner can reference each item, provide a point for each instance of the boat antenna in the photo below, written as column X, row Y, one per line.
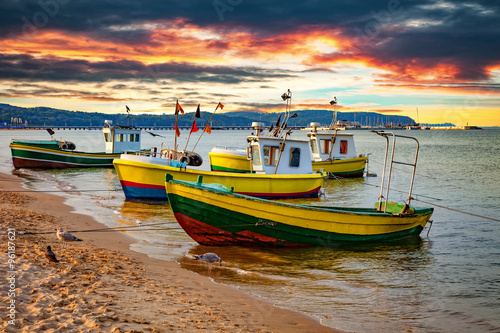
column 128, row 115
column 334, row 119
column 287, row 97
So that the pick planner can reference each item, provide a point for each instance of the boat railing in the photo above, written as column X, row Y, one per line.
column 387, row 136
column 229, row 148
column 147, row 153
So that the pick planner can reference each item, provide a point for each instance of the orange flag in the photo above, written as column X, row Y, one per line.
column 194, row 128
column 178, row 108
column 207, row 129
column 219, row 106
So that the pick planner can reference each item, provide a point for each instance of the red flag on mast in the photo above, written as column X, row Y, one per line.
column 194, row 128
column 178, row 108
column 219, row 106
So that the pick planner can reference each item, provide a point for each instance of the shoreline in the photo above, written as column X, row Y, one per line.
column 100, row 284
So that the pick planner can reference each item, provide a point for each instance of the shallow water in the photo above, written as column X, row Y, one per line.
column 447, row 281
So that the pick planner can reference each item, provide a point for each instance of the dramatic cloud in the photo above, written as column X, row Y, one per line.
column 238, row 50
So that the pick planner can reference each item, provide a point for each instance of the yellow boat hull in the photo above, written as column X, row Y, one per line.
column 352, row 167
column 146, row 181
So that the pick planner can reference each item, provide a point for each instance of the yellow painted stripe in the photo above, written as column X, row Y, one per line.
column 64, row 153
column 345, row 223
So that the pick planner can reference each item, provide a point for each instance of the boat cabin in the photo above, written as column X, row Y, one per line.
column 120, row 139
column 271, row 155
column 331, row 145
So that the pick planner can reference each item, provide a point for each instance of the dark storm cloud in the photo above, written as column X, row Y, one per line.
column 27, row 67
column 461, row 33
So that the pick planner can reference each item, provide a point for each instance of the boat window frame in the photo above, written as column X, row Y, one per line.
column 255, row 155
column 323, row 144
column 270, row 152
column 344, row 147
column 294, row 158
column 314, row 145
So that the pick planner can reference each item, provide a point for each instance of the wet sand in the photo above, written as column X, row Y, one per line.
column 100, row 285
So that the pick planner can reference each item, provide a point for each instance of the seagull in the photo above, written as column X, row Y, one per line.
column 66, row 236
column 210, row 258
column 154, row 134
column 50, row 255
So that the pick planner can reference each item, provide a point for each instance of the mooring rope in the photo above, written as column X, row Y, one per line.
column 459, row 211
column 128, row 228
column 420, row 175
column 440, row 206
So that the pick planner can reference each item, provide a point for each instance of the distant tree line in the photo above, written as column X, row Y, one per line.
column 44, row 116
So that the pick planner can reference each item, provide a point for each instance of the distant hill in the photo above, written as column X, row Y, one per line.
column 38, row 116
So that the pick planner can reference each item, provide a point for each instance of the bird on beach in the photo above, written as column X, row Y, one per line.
column 50, row 255
column 66, row 236
column 210, row 258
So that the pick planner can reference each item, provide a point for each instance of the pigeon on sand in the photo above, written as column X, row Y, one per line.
column 210, row 258
column 66, row 236
column 50, row 255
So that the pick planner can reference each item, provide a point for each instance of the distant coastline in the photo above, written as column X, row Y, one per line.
column 14, row 117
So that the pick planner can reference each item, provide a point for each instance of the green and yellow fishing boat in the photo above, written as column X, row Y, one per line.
column 61, row 154
column 212, row 214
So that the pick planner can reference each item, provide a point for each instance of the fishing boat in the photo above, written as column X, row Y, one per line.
column 332, row 152
column 338, row 159
column 335, row 153
column 281, row 170
column 215, row 215
column 61, row 154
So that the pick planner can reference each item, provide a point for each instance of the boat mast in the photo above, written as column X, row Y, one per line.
column 128, row 115
column 334, row 120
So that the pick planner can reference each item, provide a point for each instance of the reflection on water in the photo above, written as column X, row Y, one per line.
column 368, row 280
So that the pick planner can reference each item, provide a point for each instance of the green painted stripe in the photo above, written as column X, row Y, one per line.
column 221, row 168
column 237, row 222
column 61, row 158
column 348, row 172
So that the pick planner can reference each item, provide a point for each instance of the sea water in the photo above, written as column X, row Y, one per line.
column 446, row 280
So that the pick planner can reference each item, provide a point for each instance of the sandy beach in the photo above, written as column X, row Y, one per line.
column 100, row 285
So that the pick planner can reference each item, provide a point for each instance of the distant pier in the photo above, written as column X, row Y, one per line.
column 149, row 128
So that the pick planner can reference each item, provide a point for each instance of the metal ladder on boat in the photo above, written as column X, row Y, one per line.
column 388, row 135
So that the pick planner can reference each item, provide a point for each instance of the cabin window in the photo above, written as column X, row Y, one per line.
column 294, row 157
column 120, row 138
column 314, row 146
column 134, row 137
column 107, row 137
column 271, row 155
column 343, row 147
column 326, row 145
column 255, row 155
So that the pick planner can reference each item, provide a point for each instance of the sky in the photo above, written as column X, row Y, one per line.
column 435, row 61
